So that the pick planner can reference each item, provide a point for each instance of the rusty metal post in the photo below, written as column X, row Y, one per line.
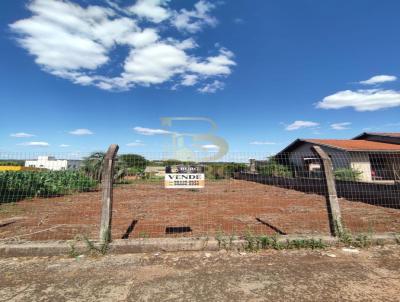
column 335, row 216
column 107, row 193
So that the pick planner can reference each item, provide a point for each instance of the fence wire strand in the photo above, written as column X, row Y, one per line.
column 58, row 196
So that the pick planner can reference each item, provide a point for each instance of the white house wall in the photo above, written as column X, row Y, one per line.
column 361, row 163
column 54, row 164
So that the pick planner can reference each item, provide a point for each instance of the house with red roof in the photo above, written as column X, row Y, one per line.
column 375, row 155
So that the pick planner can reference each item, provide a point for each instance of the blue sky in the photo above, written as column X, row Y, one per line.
column 80, row 75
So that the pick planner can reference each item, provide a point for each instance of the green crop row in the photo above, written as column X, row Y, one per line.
column 17, row 185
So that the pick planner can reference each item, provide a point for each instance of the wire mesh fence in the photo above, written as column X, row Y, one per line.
column 58, row 196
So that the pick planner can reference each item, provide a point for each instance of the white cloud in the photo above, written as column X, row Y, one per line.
column 64, row 146
column 76, row 43
column 155, row 63
column 35, row 144
column 262, row 143
column 194, row 20
column 81, row 131
column 361, row 100
column 152, row 10
column 21, row 134
column 189, row 80
column 301, row 124
column 136, row 143
column 340, row 126
column 150, row 131
column 378, row 79
column 217, row 65
column 212, row 87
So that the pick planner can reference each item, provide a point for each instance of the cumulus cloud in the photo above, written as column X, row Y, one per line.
column 301, row 124
column 340, row 126
column 21, row 135
column 152, row 10
column 189, row 80
column 216, row 65
column 81, row 131
column 361, row 100
column 212, row 87
column 35, row 144
column 194, row 20
column 150, row 131
column 378, row 79
column 76, row 43
column 64, row 146
column 136, row 143
column 262, row 143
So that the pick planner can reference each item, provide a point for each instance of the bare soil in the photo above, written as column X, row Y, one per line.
column 147, row 209
column 297, row 275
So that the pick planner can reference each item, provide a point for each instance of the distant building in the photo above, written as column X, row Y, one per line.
column 375, row 155
column 51, row 163
column 155, row 171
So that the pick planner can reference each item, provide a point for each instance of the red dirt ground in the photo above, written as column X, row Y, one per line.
column 229, row 207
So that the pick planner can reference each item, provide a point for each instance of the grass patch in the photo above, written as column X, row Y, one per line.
column 259, row 242
column 224, row 241
column 360, row 240
column 91, row 248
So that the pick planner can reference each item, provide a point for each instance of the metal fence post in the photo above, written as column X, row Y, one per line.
column 107, row 193
column 335, row 216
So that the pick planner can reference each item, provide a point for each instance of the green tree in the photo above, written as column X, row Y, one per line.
column 273, row 168
column 132, row 161
column 92, row 166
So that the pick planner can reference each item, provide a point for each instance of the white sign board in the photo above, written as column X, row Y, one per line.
column 184, row 181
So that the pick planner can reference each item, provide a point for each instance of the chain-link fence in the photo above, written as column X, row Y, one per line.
column 58, row 196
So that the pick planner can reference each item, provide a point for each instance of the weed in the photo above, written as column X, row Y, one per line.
column 255, row 243
column 143, row 235
column 224, row 241
column 92, row 249
column 361, row 240
column 73, row 253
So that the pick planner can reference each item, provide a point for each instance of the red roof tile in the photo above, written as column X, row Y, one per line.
column 355, row 145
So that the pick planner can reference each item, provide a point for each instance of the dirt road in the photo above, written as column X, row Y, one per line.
column 326, row 275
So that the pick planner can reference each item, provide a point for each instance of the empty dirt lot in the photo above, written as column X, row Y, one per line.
column 148, row 210
column 304, row 275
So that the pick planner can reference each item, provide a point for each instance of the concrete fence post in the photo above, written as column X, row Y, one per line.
column 107, row 193
column 335, row 216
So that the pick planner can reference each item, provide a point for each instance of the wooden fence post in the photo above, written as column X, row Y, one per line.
column 335, row 216
column 107, row 193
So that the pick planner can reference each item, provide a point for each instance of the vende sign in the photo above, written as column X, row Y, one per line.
column 184, row 181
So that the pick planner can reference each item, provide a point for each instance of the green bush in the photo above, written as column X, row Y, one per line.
column 347, row 174
column 273, row 168
column 17, row 185
column 135, row 171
